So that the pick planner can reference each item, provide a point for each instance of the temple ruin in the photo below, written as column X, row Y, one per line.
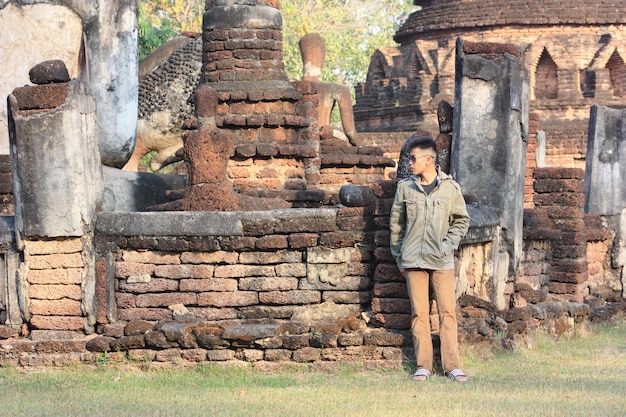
column 273, row 246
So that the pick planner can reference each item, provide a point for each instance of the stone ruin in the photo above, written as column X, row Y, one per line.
column 274, row 246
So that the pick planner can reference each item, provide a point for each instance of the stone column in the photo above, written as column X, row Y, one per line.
column 57, row 183
column 112, row 70
column 490, row 134
column 605, row 176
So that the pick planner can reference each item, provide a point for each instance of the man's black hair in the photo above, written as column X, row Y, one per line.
column 423, row 143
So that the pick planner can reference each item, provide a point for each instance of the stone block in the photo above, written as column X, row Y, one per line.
column 208, row 284
column 220, row 355
column 268, row 284
column 194, row 355
column 63, row 307
column 277, row 355
column 127, row 269
column 154, row 285
column 55, row 292
column 294, row 297
column 391, row 305
column 273, row 257
column 347, row 297
column 50, row 247
column 184, row 271
column 165, row 299
column 387, row 272
column 296, row 270
column 218, row 257
column 326, row 273
column 137, row 327
column 47, row 322
column 55, row 261
column 391, row 289
column 272, row 242
column 228, row 299
column 385, row 339
column 41, row 97
column 322, row 255
column 240, row 271
column 151, row 257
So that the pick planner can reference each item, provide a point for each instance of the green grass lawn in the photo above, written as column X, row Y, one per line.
column 584, row 376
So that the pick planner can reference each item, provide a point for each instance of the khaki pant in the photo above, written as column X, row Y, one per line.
column 418, row 281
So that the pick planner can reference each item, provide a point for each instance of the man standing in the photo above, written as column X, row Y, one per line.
column 428, row 220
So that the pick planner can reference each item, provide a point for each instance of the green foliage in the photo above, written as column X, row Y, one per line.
column 351, row 29
column 152, row 32
column 161, row 20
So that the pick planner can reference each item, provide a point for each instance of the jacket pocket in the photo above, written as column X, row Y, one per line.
column 411, row 209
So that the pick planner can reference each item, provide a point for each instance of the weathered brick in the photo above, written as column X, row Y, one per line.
column 71, row 260
column 63, row 307
column 219, row 355
column 391, row 305
column 291, row 270
column 237, row 271
column 267, row 258
column 194, row 355
column 277, row 355
column 210, row 313
column 219, row 257
column 347, row 297
column 209, row 284
column 350, row 339
column 124, row 300
column 166, row 299
column 268, row 284
column 228, row 299
column 144, row 313
column 57, row 322
column 151, row 257
column 290, row 297
column 347, row 283
column 55, row 292
column 184, row 271
column 391, row 289
column 341, row 239
column 294, row 342
column 155, row 285
column 127, row 269
column 302, row 240
column 307, row 354
column 49, row 247
column 272, row 242
column 384, row 339
column 387, row 273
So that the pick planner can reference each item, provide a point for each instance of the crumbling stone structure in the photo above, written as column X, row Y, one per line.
column 312, row 285
column 573, row 53
column 31, row 34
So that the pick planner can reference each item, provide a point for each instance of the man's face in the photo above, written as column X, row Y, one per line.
column 419, row 160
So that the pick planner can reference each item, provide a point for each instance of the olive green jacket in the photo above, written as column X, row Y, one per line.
column 426, row 229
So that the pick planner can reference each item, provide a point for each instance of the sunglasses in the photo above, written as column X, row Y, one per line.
column 412, row 158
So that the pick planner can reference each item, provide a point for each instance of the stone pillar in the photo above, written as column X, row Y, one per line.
column 559, row 197
column 57, row 176
column 605, row 176
column 57, row 183
column 112, row 72
column 488, row 155
column 605, row 171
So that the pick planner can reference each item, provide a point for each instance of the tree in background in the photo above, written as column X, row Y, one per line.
column 351, row 29
column 161, row 20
